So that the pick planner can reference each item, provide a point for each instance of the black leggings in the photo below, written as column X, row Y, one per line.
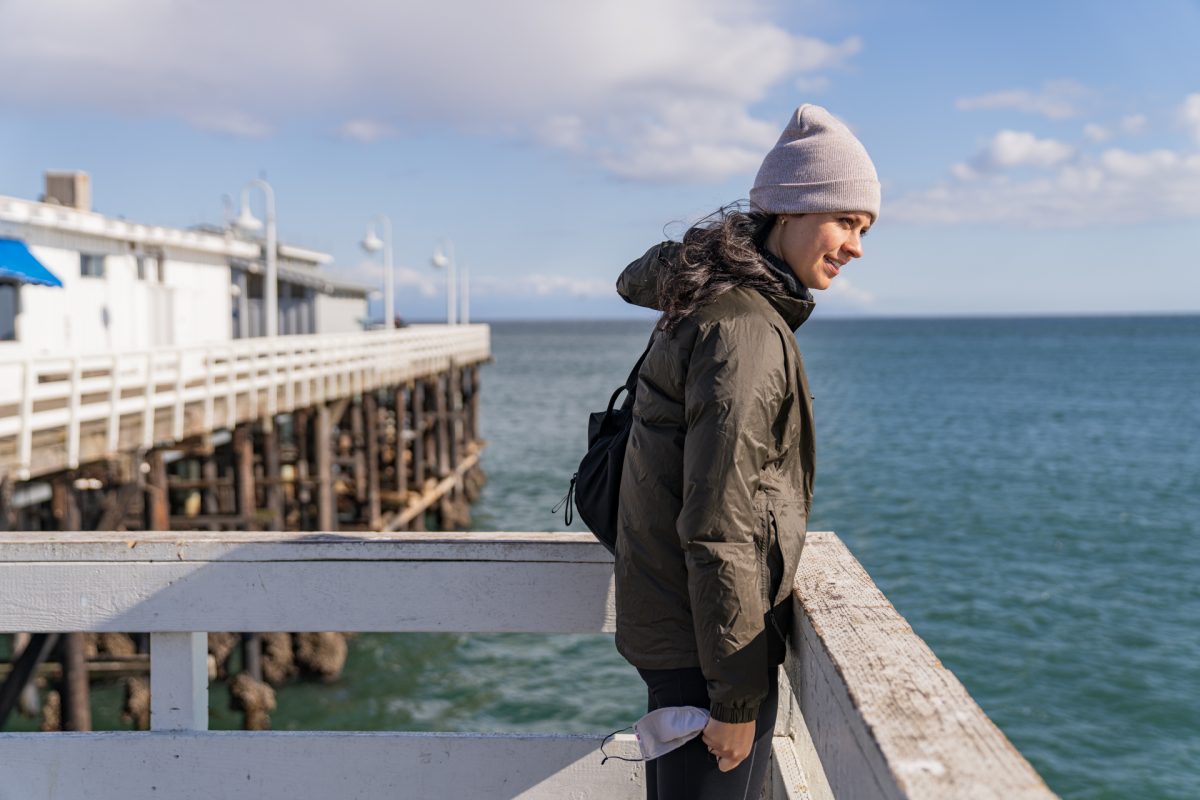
column 690, row 772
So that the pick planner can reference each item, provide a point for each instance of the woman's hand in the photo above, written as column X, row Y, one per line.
column 730, row 742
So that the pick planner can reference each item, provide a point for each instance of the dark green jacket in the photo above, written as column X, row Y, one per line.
column 715, row 491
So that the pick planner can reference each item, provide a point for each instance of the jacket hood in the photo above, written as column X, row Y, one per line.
column 638, row 284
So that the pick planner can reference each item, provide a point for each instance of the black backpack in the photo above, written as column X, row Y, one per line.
column 596, row 485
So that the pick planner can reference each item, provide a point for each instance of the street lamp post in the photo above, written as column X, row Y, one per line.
column 466, row 297
column 373, row 244
column 248, row 222
column 443, row 261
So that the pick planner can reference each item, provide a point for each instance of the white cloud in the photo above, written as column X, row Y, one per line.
column 1009, row 149
column 369, row 272
column 234, row 123
column 1189, row 114
column 812, row 83
column 1056, row 100
column 366, row 130
column 1133, row 124
column 543, row 285
column 657, row 91
column 425, row 284
column 843, row 293
column 1113, row 186
column 1129, row 125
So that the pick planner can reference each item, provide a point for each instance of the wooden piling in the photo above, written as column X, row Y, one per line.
column 271, row 470
column 76, row 697
column 326, row 508
column 370, row 415
column 252, row 655
column 210, row 474
column 243, row 475
column 441, row 409
column 402, row 440
column 418, row 434
column 156, row 501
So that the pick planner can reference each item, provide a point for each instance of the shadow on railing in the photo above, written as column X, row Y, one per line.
column 868, row 710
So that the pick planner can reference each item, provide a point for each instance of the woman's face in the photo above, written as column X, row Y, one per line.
column 817, row 246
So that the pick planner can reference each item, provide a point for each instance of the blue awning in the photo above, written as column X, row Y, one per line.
column 17, row 263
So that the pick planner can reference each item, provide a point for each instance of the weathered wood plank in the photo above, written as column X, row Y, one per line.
column 446, row 596
column 192, row 546
column 888, row 720
column 298, row 766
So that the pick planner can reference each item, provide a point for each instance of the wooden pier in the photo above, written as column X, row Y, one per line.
column 374, row 431
column 867, row 710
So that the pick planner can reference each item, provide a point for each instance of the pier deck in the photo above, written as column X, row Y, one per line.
column 868, row 711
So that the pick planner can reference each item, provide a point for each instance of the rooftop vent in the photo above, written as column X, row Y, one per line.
column 71, row 189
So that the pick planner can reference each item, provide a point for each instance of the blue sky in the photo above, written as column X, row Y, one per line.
column 1036, row 157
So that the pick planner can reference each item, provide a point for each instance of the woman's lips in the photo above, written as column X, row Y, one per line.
column 832, row 268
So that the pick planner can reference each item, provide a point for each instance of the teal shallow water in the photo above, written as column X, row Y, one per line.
column 1025, row 491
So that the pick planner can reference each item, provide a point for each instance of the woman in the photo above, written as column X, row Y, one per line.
column 718, row 473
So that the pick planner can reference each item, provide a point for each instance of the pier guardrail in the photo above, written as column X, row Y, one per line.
column 57, row 412
column 868, row 711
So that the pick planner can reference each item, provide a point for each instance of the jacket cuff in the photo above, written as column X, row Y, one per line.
column 733, row 714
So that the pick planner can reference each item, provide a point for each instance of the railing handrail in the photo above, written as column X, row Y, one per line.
column 257, row 345
column 52, row 392
column 879, row 716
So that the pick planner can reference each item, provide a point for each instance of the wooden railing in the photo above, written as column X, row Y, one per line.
column 57, row 412
column 867, row 711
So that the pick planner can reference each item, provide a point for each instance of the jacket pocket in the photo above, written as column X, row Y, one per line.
column 789, row 526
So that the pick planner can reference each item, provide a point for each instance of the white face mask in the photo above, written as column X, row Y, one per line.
column 666, row 729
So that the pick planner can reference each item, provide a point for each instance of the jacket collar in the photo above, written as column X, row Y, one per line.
column 797, row 303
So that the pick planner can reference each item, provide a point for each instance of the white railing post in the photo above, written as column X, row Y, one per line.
column 253, row 382
column 113, row 440
column 25, row 455
column 179, row 681
column 231, row 395
column 209, row 391
column 273, row 383
column 177, row 417
column 289, row 394
column 73, row 418
column 148, row 403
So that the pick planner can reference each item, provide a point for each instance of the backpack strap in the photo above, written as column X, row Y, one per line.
column 630, row 385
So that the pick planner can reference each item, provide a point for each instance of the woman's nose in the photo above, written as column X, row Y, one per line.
column 853, row 246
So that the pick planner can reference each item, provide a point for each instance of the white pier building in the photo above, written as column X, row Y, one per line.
column 110, row 285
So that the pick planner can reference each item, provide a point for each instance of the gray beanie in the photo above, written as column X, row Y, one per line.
column 817, row 165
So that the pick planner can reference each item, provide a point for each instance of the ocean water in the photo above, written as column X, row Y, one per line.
column 1026, row 492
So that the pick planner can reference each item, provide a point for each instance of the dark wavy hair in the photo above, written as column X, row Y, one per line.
column 718, row 253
